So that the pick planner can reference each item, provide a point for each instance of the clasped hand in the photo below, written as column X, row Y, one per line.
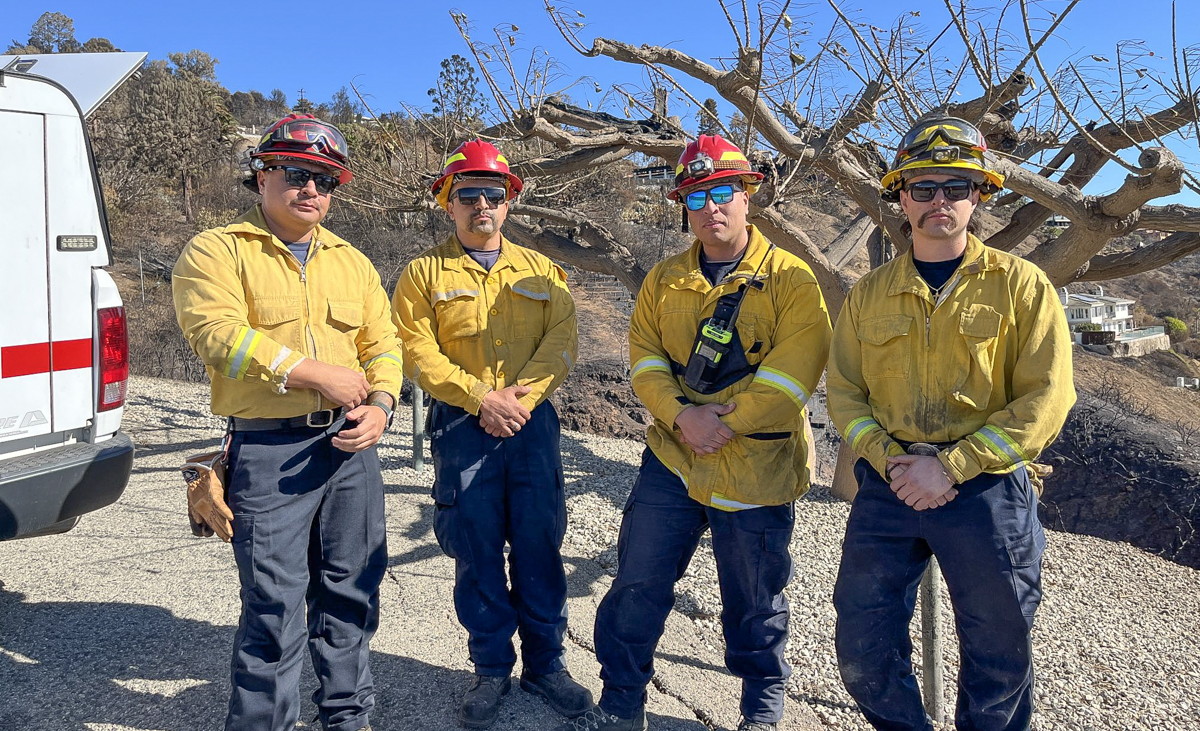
column 501, row 413
column 701, row 428
column 920, row 481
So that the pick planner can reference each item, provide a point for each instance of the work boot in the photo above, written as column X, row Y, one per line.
column 560, row 691
column 481, row 703
column 597, row 720
column 756, row 726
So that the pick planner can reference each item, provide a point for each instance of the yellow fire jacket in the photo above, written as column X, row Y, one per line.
column 251, row 313
column 467, row 331
column 986, row 365
column 784, row 331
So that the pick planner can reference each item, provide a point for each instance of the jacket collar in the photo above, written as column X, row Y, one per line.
column 254, row 223
column 977, row 258
column 456, row 259
column 685, row 273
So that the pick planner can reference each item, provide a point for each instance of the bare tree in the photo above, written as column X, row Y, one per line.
column 826, row 109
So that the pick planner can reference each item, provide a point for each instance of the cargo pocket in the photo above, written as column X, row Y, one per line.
column 445, row 516
column 561, row 498
column 979, row 330
column 1025, row 556
column 885, row 350
column 774, row 564
column 243, row 549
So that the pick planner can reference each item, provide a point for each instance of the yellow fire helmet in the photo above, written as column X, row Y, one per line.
column 941, row 144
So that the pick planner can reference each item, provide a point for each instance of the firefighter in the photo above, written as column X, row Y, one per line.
column 950, row 373
column 489, row 331
column 727, row 342
column 294, row 328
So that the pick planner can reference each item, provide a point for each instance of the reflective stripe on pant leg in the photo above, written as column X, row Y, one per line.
column 754, row 566
column 883, row 558
column 276, row 482
column 536, row 509
column 348, row 557
column 469, row 523
column 660, row 530
column 990, row 549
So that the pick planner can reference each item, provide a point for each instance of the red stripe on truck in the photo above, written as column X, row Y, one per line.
column 68, row 355
column 24, row 360
column 34, row 358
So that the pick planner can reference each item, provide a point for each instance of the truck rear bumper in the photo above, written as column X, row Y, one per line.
column 47, row 487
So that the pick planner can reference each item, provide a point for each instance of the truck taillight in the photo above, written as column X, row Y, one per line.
column 114, row 357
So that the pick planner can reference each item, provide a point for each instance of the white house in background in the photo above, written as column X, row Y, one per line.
column 1110, row 313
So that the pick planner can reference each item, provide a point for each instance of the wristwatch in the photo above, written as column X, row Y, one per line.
column 386, row 409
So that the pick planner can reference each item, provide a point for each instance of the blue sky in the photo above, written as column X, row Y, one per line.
column 392, row 51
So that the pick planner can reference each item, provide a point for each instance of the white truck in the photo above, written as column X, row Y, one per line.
column 64, row 358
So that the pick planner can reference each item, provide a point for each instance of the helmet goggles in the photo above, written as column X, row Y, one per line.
column 951, row 132
column 307, row 135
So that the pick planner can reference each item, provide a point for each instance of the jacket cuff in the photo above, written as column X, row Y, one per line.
column 289, row 364
column 959, row 464
column 476, row 396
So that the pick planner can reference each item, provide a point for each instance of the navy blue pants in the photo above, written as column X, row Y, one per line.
column 989, row 544
column 308, row 533
column 659, row 533
column 491, row 491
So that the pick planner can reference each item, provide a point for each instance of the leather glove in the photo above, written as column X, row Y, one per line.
column 207, row 509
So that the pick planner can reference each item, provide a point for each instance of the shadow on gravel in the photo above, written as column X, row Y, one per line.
column 608, row 478
column 73, row 666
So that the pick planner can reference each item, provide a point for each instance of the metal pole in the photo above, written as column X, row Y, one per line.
column 418, row 426
column 931, row 640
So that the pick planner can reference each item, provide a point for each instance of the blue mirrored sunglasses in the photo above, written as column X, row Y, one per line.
column 720, row 194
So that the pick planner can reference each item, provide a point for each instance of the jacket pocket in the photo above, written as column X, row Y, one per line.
column 345, row 315
column 885, row 349
column 457, row 314
column 278, row 318
column 979, row 331
column 530, row 299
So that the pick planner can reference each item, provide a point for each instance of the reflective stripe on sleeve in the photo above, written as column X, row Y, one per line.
column 390, row 355
column 650, row 363
column 1002, row 444
column 859, row 428
column 781, row 381
column 243, row 349
column 567, row 359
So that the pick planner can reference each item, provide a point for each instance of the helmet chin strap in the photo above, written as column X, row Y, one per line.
column 685, row 221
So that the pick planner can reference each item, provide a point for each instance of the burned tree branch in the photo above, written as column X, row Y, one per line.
column 1111, row 266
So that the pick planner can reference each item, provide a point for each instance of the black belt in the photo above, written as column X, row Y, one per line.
column 315, row 420
column 939, row 446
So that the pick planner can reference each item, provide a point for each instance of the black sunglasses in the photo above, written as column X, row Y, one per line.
column 299, row 177
column 468, row 196
column 954, row 190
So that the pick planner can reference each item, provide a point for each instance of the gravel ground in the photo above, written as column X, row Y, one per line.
column 1116, row 639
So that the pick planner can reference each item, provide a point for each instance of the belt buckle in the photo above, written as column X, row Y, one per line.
column 924, row 449
column 308, row 419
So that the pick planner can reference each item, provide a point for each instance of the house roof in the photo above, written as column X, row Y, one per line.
column 1093, row 300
